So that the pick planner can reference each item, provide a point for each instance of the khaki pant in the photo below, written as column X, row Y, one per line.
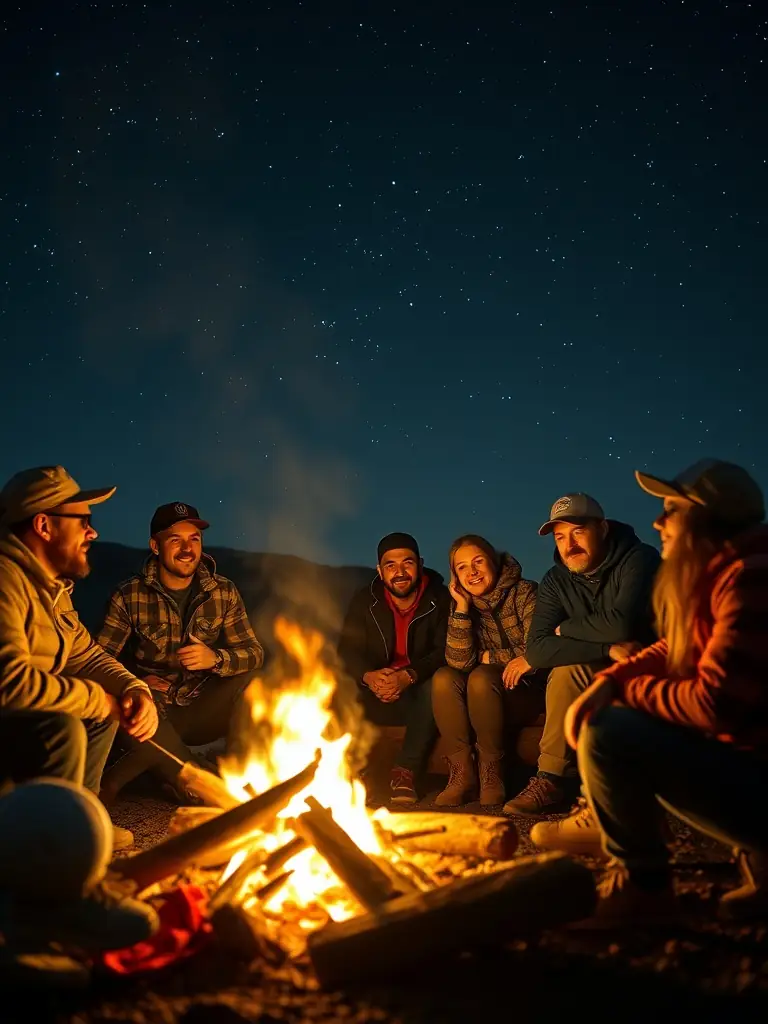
column 475, row 706
column 564, row 684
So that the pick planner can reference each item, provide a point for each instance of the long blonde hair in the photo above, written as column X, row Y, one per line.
column 677, row 591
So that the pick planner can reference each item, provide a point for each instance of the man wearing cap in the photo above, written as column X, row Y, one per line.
column 61, row 695
column 392, row 642
column 593, row 608
column 184, row 630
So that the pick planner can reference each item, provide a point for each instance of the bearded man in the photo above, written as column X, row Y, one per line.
column 392, row 642
column 184, row 630
column 61, row 696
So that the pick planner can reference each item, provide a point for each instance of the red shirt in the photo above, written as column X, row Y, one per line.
column 403, row 619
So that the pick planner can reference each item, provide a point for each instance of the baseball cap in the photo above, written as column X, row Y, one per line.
column 723, row 487
column 572, row 508
column 174, row 512
column 43, row 489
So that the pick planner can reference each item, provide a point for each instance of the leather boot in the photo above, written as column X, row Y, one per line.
column 492, row 790
column 462, row 780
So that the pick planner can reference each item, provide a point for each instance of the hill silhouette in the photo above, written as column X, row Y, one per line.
column 312, row 595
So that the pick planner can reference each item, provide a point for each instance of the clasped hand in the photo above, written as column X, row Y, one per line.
column 387, row 683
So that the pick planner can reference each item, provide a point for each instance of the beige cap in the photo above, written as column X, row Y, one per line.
column 724, row 488
column 41, row 490
column 572, row 508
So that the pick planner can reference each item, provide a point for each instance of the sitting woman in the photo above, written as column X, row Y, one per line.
column 482, row 688
column 684, row 723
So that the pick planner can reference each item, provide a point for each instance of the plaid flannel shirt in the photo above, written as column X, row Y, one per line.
column 143, row 629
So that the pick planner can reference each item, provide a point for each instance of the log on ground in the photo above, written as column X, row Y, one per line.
column 538, row 892
column 462, row 835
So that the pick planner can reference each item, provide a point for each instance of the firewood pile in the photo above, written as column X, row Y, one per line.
column 438, row 884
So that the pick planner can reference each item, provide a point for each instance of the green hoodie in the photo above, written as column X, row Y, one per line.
column 48, row 661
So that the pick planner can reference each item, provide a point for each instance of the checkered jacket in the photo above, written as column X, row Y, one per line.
column 143, row 629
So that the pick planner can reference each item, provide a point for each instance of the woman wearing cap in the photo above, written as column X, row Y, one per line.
column 480, row 690
column 684, row 723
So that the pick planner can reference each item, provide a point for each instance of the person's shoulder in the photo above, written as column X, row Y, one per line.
column 642, row 554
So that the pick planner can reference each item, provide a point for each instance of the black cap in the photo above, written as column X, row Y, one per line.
column 174, row 512
column 396, row 540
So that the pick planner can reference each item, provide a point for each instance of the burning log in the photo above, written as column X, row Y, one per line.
column 463, row 835
column 232, row 888
column 538, row 892
column 180, row 851
column 369, row 883
column 244, row 935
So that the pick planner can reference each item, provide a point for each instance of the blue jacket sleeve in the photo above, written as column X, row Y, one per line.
column 544, row 649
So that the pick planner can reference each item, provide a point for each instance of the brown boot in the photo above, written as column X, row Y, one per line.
column 462, row 780
column 492, row 790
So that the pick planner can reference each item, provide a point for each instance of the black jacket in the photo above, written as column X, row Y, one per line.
column 367, row 640
column 595, row 610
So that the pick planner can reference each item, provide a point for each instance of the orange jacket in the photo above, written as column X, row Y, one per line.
column 727, row 693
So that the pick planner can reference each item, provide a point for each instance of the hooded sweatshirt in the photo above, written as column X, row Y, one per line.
column 595, row 610
column 48, row 661
column 497, row 622
column 725, row 694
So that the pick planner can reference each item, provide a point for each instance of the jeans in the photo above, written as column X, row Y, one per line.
column 477, row 706
column 564, row 684
column 208, row 718
column 633, row 763
column 413, row 709
column 34, row 744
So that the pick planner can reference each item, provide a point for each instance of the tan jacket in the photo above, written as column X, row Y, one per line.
column 48, row 661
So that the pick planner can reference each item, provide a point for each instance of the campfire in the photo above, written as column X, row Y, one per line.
column 297, row 863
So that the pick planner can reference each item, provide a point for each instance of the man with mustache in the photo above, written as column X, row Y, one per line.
column 61, row 696
column 392, row 643
column 593, row 609
column 185, row 631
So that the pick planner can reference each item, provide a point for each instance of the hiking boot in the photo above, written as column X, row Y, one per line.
column 492, row 790
column 577, row 834
column 122, row 838
column 541, row 796
column 402, row 790
column 104, row 919
column 462, row 780
column 621, row 903
column 750, row 899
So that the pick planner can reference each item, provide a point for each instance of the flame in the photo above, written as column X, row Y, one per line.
column 287, row 725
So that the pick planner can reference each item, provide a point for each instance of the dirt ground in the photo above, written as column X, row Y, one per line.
column 710, row 971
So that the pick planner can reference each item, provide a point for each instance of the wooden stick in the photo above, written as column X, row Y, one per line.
column 173, row 855
column 464, row 835
column 369, row 884
column 205, row 785
column 538, row 892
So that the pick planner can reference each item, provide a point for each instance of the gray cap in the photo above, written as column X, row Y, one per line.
column 572, row 508
column 723, row 487
column 42, row 490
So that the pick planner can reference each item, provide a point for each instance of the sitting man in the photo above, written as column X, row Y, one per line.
column 392, row 643
column 184, row 630
column 61, row 696
column 593, row 608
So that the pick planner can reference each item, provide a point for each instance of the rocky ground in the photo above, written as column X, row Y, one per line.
column 709, row 970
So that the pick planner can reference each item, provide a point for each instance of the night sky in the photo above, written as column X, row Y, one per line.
column 327, row 270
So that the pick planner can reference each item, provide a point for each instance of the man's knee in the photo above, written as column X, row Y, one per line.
column 58, row 743
column 447, row 682
column 63, row 730
column 484, row 679
column 568, row 681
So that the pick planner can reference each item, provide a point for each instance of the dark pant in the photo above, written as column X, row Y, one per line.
column 34, row 744
column 413, row 709
column 631, row 762
column 477, row 706
column 208, row 718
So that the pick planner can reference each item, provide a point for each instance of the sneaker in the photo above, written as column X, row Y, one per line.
column 622, row 904
column 122, row 838
column 402, row 789
column 750, row 899
column 577, row 834
column 104, row 919
column 541, row 796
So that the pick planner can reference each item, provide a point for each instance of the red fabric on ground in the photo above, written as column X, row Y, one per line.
column 184, row 929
